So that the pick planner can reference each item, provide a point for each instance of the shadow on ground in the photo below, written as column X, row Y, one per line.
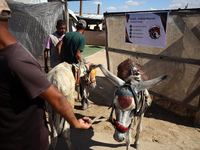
column 84, row 141
column 103, row 96
column 158, row 112
column 104, row 92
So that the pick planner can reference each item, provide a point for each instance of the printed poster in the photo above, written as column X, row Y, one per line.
column 146, row 29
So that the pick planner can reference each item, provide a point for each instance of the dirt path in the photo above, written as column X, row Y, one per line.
column 162, row 129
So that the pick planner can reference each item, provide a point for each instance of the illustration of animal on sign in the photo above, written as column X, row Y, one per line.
column 131, row 99
column 63, row 79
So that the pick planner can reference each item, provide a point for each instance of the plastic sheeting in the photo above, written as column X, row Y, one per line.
column 30, row 24
column 31, row 1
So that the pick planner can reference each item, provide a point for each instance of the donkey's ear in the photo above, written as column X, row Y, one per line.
column 114, row 79
column 93, row 66
column 150, row 83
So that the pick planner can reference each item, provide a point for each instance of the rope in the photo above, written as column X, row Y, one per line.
column 99, row 116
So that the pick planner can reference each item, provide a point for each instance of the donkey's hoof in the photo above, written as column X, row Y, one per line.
column 87, row 106
column 136, row 146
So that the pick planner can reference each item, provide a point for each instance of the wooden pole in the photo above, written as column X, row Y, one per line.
column 98, row 10
column 80, row 12
column 67, row 16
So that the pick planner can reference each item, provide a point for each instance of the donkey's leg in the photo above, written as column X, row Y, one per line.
column 54, row 137
column 55, row 128
column 65, row 126
column 53, row 132
column 128, row 140
column 82, row 91
column 66, row 135
column 138, row 130
column 53, row 143
column 84, row 95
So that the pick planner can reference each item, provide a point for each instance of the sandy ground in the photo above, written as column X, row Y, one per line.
column 162, row 129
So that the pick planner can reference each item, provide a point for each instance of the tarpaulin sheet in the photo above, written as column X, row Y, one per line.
column 30, row 24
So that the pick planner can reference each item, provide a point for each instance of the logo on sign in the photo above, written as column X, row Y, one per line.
column 154, row 32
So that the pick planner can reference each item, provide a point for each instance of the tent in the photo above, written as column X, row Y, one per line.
column 30, row 24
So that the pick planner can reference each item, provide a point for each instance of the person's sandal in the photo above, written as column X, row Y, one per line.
column 89, row 105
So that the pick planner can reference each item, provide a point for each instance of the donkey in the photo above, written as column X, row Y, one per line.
column 131, row 99
column 85, row 75
column 63, row 79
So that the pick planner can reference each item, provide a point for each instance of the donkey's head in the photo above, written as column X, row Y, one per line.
column 88, row 73
column 126, row 101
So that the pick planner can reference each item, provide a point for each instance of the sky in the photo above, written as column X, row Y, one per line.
column 91, row 6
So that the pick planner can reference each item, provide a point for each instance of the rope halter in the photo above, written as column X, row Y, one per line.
column 125, row 102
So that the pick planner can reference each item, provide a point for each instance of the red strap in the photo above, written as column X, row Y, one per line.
column 120, row 127
column 91, row 74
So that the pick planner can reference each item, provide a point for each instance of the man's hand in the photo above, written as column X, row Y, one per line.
column 78, row 56
column 84, row 123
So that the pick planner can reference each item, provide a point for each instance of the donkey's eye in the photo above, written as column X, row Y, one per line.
column 132, row 113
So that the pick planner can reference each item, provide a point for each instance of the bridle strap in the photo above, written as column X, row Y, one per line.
column 113, row 121
column 111, row 114
column 89, row 74
column 143, row 107
column 135, row 98
column 138, row 111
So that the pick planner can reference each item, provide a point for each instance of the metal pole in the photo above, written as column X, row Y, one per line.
column 67, row 16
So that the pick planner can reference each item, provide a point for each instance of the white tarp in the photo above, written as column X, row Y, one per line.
column 31, row 1
column 146, row 29
column 32, row 23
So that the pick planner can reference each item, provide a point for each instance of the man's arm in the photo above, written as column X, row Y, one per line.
column 46, row 68
column 78, row 55
column 47, row 48
column 59, row 46
column 80, row 48
column 62, row 106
